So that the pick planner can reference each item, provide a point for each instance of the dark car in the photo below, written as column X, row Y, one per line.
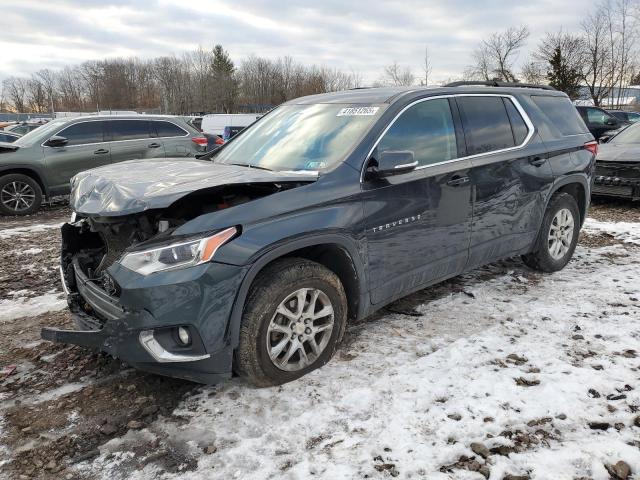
column 618, row 165
column 600, row 122
column 323, row 211
column 9, row 137
column 41, row 163
column 625, row 116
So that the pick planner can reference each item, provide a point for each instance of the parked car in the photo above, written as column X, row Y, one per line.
column 22, row 128
column 41, row 163
column 624, row 116
column 600, row 122
column 618, row 165
column 230, row 132
column 9, row 137
column 322, row 212
column 215, row 123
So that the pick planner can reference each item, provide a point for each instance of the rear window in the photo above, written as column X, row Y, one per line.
column 486, row 124
column 561, row 113
column 168, row 129
column 129, row 130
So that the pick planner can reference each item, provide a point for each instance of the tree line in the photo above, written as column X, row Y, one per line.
column 199, row 81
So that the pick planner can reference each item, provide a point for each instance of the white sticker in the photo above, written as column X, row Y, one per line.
column 351, row 111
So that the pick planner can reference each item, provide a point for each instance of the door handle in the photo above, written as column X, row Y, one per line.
column 101, row 151
column 154, row 145
column 457, row 180
column 537, row 161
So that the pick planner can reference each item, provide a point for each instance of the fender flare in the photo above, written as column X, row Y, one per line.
column 583, row 180
column 343, row 241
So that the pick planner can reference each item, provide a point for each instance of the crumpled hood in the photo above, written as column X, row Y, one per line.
column 610, row 152
column 134, row 186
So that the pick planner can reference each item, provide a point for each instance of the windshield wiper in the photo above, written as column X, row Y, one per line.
column 250, row 166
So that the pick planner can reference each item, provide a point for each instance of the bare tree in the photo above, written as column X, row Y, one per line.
column 561, row 58
column 599, row 72
column 427, row 66
column 396, row 75
column 16, row 91
column 495, row 57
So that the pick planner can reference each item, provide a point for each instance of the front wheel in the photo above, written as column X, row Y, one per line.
column 292, row 323
column 558, row 235
column 19, row 195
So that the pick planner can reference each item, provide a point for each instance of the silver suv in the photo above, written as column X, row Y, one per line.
column 41, row 163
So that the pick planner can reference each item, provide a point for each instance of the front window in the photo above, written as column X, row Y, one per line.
column 301, row 137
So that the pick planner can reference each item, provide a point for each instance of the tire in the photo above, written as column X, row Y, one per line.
column 546, row 257
column 263, row 328
column 19, row 195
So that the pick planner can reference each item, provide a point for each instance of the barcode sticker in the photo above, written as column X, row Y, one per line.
column 353, row 111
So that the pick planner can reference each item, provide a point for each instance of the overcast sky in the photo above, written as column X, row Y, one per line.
column 362, row 36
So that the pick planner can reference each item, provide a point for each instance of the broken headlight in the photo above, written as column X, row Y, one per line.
column 177, row 255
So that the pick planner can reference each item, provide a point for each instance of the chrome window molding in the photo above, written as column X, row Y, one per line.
column 187, row 134
column 521, row 111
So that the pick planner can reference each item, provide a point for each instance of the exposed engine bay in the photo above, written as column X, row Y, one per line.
column 96, row 242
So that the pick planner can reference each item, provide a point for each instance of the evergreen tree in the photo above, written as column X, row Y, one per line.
column 562, row 76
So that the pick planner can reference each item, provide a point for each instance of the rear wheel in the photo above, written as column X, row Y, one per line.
column 558, row 236
column 19, row 195
column 293, row 321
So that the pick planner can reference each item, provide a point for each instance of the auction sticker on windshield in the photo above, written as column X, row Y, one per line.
column 351, row 111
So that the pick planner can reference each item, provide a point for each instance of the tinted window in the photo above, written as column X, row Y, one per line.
column 168, row 129
column 427, row 130
column 561, row 113
column 84, row 132
column 519, row 128
column 128, row 129
column 486, row 124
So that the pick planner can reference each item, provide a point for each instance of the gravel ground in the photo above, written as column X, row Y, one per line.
column 69, row 413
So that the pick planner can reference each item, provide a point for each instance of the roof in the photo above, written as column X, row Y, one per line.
column 390, row 94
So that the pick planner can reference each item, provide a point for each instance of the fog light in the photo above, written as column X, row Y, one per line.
column 184, row 336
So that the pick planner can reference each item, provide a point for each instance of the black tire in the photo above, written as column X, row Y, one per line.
column 272, row 287
column 541, row 258
column 27, row 186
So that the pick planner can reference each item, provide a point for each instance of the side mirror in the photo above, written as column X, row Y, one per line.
column 56, row 141
column 394, row 162
column 604, row 139
column 612, row 121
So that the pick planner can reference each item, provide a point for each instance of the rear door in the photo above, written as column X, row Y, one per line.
column 86, row 148
column 418, row 223
column 132, row 140
column 510, row 176
column 175, row 139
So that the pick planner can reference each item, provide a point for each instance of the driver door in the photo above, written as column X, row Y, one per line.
column 418, row 224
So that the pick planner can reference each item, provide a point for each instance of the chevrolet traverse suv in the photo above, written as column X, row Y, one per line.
column 41, row 163
column 323, row 211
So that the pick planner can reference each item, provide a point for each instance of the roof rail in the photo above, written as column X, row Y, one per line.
column 496, row 83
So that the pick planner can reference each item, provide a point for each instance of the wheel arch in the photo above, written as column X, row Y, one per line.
column 29, row 172
column 578, row 187
column 338, row 253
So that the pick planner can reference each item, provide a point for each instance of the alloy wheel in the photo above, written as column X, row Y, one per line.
column 300, row 329
column 17, row 196
column 560, row 234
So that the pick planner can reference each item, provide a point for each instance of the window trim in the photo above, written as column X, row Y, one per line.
column 187, row 134
column 516, row 103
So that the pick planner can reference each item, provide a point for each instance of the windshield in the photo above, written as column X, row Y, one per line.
column 40, row 133
column 631, row 134
column 301, row 137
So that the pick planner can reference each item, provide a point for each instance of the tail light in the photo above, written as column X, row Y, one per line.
column 219, row 141
column 202, row 141
column 592, row 147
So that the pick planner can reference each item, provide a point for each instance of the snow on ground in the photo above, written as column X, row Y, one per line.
column 626, row 231
column 542, row 370
column 37, row 228
column 22, row 307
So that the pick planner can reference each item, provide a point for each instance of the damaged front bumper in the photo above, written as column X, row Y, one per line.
column 617, row 179
column 139, row 324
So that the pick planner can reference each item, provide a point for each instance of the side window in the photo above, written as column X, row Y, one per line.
column 168, row 129
column 83, row 132
column 128, row 129
column 595, row 116
column 562, row 115
column 486, row 124
column 518, row 126
column 427, row 130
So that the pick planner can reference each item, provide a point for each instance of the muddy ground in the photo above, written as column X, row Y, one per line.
column 60, row 403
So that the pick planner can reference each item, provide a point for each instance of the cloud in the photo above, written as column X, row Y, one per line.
column 362, row 36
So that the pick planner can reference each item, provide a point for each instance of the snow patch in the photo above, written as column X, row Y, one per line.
column 38, row 228
column 625, row 231
column 25, row 307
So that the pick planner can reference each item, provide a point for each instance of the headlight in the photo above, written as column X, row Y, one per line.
column 177, row 255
